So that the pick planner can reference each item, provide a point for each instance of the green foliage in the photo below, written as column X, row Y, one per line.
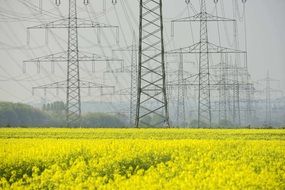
column 57, row 107
column 21, row 114
column 53, row 114
column 194, row 124
column 101, row 120
column 226, row 124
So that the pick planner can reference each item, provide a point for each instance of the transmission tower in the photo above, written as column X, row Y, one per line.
column 177, row 87
column 236, row 88
column 73, row 57
column 268, row 91
column 204, row 106
column 204, row 48
column 151, row 98
column 268, row 99
column 132, row 69
column 250, row 112
column 180, row 117
column 134, row 81
column 223, row 90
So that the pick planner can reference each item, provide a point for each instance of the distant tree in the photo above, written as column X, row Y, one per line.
column 57, row 107
column 225, row 124
column 194, row 124
column 48, row 107
column 101, row 120
column 44, row 107
column 21, row 114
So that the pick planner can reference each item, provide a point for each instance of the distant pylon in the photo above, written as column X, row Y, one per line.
column 151, row 98
column 268, row 99
column 180, row 115
column 72, row 56
column 223, row 90
column 204, row 48
column 73, row 101
column 236, row 87
column 204, row 97
column 134, row 81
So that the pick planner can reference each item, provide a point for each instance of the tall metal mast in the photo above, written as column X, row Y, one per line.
column 268, row 99
column 268, row 90
column 204, row 98
column 223, row 90
column 72, row 56
column 134, row 81
column 73, row 101
column 181, row 92
column 151, row 98
column 204, row 48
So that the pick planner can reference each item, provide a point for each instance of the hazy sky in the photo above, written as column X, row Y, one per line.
column 266, row 39
column 265, row 34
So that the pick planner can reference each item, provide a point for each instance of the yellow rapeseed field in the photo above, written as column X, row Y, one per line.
column 142, row 159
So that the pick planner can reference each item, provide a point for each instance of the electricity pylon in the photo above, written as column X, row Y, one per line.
column 223, row 90
column 204, row 48
column 151, row 89
column 132, row 69
column 180, row 115
column 268, row 90
column 268, row 106
column 268, row 99
column 134, row 81
column 73, row 57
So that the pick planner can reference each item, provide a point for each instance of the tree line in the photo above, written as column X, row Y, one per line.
column 51, row 115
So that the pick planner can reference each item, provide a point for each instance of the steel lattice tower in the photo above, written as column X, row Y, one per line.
column 204, row 48
column 204, row 100
column 236, row 87
column 151, row 99
column 223, row 90
column 250, row 88
column 268, row 90
column 73, row 109
column 268, row 99
column 181, row 92
column 72, row 56
column 134, row 79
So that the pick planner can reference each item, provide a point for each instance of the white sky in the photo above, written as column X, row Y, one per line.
column 265, row 34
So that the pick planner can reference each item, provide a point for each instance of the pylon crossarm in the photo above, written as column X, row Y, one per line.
column 86, row 84
column 203, row 17
column 55, row 85
column 122, row 92
column 228, row 68
column 63, row 57
column 186, row 50
column 212, row 48
column 83, row 84
column 64, row 23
